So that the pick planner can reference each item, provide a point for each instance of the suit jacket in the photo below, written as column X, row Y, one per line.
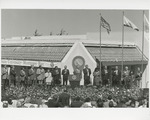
column 105, row 76
column 76, row 104
column 86, row 72
column 116, row 76
column 65, row 73
column 64, row 99
column 12, row 74
column 22, row 75
column 56, row 74
column 31, row 74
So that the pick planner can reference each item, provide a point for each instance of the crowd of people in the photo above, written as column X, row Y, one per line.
column 79, row 97
column 37, row 88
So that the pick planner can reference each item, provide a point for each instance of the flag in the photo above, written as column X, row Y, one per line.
column 105, row 25
column 128, row 23
column 146, row 28
column 146, row 24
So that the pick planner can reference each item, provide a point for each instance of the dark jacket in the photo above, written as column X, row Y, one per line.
column 116, row 77
column 76, row 104
column 64, row 99
column 65, row 73
column 12, row 74
column 85, row 71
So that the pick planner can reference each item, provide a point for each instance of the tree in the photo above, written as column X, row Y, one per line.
column 36, row 33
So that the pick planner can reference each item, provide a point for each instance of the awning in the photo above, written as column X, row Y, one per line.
column 110, row 55
column 113, row 55
column 49, row 54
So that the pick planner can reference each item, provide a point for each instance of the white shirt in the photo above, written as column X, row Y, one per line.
column 48, row 76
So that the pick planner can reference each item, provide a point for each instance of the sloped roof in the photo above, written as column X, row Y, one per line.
column 52, row 54
column 57, row 53
column 114, row 54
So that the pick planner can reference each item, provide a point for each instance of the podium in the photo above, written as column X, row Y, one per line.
column 74, row 80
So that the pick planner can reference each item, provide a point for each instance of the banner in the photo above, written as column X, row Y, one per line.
column 15, row 62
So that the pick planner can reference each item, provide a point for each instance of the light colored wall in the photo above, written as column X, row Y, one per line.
column 79, row 50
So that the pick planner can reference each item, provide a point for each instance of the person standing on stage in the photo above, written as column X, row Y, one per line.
column 31, row 76
column 65, row 73
column 77, row 72
column 87, row 73
column 13, row 76
column 138, row 77
column 96, row 75
column 116, row 77
column 48, row 78
column 105, row 76
column 5, row 81
column 126, row 78
column 56, row 76
column 40, row 74
column 22, row 77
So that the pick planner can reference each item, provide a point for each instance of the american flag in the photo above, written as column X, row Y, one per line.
column 105, row 25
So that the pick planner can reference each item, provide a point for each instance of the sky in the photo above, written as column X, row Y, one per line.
column 24, row 22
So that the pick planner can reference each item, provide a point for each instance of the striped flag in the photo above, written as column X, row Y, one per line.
column 146, row 24
column 105, row 25
column 128, row 23
column 146, row 28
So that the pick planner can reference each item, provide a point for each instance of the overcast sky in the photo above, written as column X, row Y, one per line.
column 24, row 22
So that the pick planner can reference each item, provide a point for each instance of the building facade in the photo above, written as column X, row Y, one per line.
column 62, row 50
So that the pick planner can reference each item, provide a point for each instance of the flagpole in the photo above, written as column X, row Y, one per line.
column 100, row 48
column 122, row 44
column 142, row 70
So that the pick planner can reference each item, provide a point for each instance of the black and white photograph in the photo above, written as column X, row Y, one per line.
column 74, row 58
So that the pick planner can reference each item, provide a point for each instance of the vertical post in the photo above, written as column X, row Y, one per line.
column 142, row 69
column 100, row 48
column 122, row 44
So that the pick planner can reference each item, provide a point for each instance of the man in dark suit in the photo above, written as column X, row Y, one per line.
column 13, row 75
column 138, row 77
column 56, row 76
column 65, row 73
column 105, row 76
column 116, row 77
column 87, row 73
column 64, row 99
column 77, row 103
column 31, row 76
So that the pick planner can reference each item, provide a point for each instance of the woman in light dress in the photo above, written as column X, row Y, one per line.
column 96, row 75
column 48, row 77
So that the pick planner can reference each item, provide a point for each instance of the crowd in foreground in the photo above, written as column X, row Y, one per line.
column 78, row 97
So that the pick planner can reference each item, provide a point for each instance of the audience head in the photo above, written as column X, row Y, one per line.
column 77, row 98
column 111, row 104
column 5, row 104
column 87, row 100
column 10, row 101
column 100, row 102
column 109, row 97
column 132, row 104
